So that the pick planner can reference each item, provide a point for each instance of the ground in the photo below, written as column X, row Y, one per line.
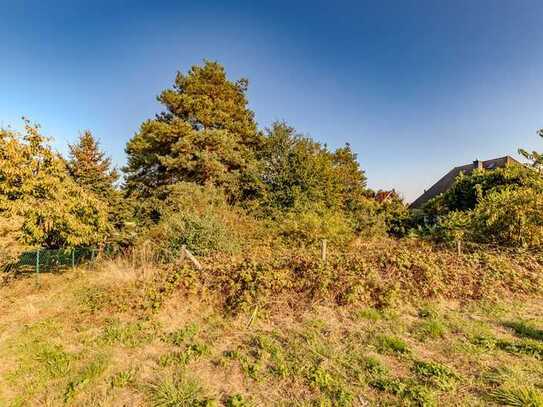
column 62, row 344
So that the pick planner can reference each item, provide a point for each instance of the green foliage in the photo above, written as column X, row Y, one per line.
column 312, row 223
column 237, row 400
column 35, row 185
column 391, row 344
column 201, row 234
column 469, row 190
column 510, row 217
column 296, row 168
column 207, row 135
column 90, row 168
column 435, row 374
column 312, row 192
column 536, row 159
column 521, row 396
column 196, row 217
column 525, row 329
column 501, row 206
column 178, row 391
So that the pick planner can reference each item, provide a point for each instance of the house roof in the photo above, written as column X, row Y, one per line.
column 448, row 179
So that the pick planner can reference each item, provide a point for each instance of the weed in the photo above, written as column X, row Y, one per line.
column 181, row 335
column 191, row 352
column 405, row 389
column 525, row 329
column 129, row 334
column 370, row 313
column 431, row 328
column 435, row 374
column 522, row 396
column 85, row 376
column 387, row 344
column 237, row 400
column 374, row 367
column 179, row 392
column 54, row 359
column 427, row 311
column 525, row 347
column 123, row 378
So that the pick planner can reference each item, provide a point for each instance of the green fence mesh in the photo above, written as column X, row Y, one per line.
column 43, row 260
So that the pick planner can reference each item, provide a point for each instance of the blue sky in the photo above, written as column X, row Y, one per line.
column 415, row 86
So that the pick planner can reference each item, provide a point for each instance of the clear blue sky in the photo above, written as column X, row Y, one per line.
column 415, row 86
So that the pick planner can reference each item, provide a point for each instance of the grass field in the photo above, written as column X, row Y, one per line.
column 62, row 344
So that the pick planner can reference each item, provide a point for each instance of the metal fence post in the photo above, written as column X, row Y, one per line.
column 73, row 257
column 38, row 261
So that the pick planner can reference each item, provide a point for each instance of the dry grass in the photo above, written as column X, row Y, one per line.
column 92, row 337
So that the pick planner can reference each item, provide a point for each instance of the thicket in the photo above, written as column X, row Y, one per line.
column 201, row 174
column 500, row 207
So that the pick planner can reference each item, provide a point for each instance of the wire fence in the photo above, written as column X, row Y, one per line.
column 47, row 260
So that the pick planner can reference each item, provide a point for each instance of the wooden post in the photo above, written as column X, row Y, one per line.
column 459, row 247
column 191, row 257
column 73, row 257
column 323, row 250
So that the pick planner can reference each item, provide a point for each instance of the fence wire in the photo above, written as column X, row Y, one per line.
column 46, row 260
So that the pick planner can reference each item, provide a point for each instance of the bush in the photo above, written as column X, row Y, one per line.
column 312, row 223
column 202, row 234
column 511, row 217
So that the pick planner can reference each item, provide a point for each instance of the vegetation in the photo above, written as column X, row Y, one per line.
column 390, row 313
column 35, row 185
column 119, row 334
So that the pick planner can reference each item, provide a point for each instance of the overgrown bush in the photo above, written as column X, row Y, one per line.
column 310, row 224
column 510, row 217
column 380, row 274
column 200, row 218
column 502, row 207
column 202, row 234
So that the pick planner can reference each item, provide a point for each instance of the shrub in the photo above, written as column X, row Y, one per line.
column 312, row 223
column 510, row 217
column 202, row 234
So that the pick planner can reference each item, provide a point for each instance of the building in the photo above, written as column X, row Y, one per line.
column 447, row 181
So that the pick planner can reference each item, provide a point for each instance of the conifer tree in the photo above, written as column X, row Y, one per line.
column 206, row 135
column 90, row 168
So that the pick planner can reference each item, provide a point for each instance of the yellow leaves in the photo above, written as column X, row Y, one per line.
column 35, row 186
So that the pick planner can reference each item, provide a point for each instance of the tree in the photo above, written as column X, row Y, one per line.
column 90, row 168
column 535, row 157
column 296, row 168
column 35, row 186
column 206, row 135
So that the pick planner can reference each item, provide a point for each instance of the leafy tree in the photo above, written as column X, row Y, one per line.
column 296, row 168
column 510, row 217
column 206, row 135
column 468, row 190
column 90, row 168
column 36, row 186
column 535, row 157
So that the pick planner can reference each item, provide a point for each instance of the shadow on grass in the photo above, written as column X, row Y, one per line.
column 525, row 330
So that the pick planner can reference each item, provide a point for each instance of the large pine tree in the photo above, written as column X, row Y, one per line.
column 206, row 135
